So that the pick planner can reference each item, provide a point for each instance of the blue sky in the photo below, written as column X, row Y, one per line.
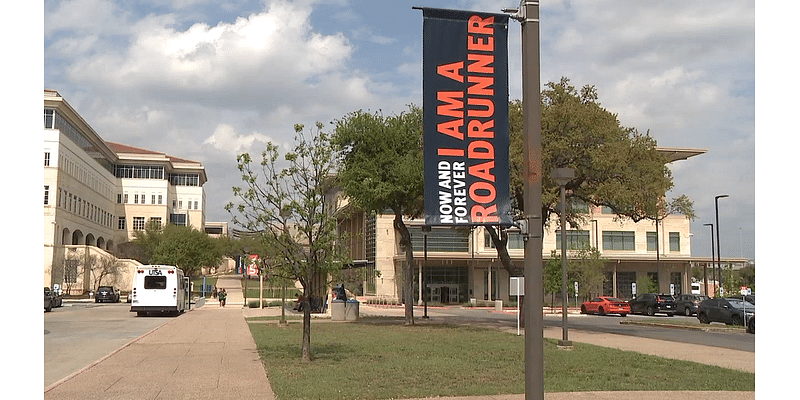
column 206, row 80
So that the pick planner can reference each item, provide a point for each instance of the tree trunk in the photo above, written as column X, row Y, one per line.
column 306, row 346
column 408, row 276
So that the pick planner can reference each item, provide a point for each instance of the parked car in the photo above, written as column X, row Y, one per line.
column 687, row 304
column 730, row 311
column 751, row 324
column 106, row 293
column 48, row 299
column 652, row 303
column 750, row 298
column 129, row 297
column 605, row 305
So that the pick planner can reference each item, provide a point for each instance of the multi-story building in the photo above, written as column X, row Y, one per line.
column 462, row 263
column 97, row 193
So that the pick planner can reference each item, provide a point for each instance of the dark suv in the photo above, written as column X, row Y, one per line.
column 652, row 303
column 729, row 311
column 106, row 293
column 687, row 304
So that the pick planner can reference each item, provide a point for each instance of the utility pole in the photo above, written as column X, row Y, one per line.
column 528, row 16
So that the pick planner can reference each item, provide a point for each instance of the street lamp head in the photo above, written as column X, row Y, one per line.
column 562, row 176
column 711, row 225
column 720, row 196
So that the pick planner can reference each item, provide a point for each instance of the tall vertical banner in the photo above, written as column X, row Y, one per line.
column 465, row 105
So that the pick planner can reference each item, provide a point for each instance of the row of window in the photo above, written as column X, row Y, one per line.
column 78, row 171
column 141, row 198
column 139, row 223
column 54, row 120
column 457, row 240
column 79, row 206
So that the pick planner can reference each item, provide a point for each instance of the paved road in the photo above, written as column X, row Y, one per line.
column 610, row 324
column 79, row 334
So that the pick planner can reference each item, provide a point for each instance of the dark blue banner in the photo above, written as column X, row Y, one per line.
column 465, row 105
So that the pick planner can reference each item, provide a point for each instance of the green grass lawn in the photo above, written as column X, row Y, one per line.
column 382, row 358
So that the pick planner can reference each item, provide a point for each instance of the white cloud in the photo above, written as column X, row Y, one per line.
column 226, row 139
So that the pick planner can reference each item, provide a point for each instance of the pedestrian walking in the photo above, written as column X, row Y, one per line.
column 222, row 296
column 214, row 293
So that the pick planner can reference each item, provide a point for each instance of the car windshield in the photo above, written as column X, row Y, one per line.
column 736, row 303
column 666, row 298
column 105, row 288
column 613, row 299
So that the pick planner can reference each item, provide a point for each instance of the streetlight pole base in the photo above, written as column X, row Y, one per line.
column 565, row 344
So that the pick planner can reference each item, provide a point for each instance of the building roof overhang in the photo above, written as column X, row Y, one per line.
column 679, row 153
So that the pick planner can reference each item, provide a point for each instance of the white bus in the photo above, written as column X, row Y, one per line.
column 159, row 289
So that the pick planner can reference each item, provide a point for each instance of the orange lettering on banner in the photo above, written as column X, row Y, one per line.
column 451, row 71
column 480, row 118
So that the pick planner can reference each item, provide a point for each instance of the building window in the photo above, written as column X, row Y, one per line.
column 135, row 199
column 515, row 241
column 674, row 241
column 48, row 119
column 153, row 199
column 119, row 198
column 441, row 240
column 579, row 206
column 138, row 223
column 195, row 205
column 159, row 199
column 121, row 223
column 155, row 221
column 619, row 240
column 177, row 219
column 184, row 179
column 576, row 239
column 71, row 270
column 125, row 198
column 46, row 158
column 46, row 194
column 652, row 241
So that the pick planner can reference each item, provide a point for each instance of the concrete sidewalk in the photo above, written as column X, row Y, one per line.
column 209, row 353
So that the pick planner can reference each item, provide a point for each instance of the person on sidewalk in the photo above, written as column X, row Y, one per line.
column 222, row 296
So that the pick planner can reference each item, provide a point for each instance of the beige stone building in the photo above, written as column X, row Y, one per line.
column 97, row 193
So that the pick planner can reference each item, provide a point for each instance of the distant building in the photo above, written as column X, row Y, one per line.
column 97, row 193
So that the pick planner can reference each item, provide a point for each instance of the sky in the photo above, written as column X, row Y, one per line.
column 207, row 79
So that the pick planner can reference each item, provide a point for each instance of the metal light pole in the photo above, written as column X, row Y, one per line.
column 562, row 176
column 425, row 230
column 713, row 272
column 528, row 16
column 719, row 257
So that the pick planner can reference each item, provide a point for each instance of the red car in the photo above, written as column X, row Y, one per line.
column 606, row 305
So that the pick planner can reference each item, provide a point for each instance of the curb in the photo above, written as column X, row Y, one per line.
column 678, row 326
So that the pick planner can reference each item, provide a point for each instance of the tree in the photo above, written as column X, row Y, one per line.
column 584, row 266
column 291, row 210
column 615, row 166
column 646, row 284
column 102, row 267
column 181, row 246
column 72, row 269
column 382, row 169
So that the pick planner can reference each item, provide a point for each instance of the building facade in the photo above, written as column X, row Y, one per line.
column 98, row 193
column 461, row 265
